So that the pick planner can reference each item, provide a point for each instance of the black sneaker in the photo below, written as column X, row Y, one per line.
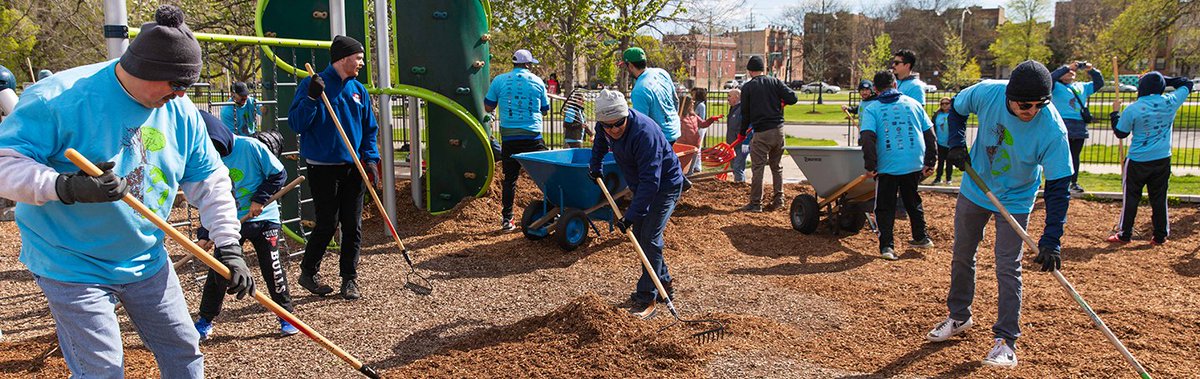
column 755, row 208
column 313, row 284
column 1076, row 188
column 643, row 310
column 923, row 243
column 350, row 289
column 775, row 205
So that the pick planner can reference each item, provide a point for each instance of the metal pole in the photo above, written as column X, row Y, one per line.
column 414, row 152
column 383, row 60
column 116, row 24
column 337, row 18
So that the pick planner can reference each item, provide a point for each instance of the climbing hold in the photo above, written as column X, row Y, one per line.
column 462, row 90
column 419, row 70
column 441, row 15
column 477, row 64
column 469, row 175
column 444, row 196
column 320, row 15
column 455, row 142
column 485, row 37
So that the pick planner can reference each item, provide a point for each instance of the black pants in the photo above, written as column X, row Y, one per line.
column 264, row 235
column 942, row 152
column 1076, row 149
column 1154, row 176
column 337, row 193
column 512, row 171
column 886, row 187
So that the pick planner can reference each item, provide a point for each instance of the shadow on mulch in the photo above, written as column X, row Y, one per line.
column 897, row 366
column 766, row 242
column 16, row 276
column 428, row 341
column 520, row 256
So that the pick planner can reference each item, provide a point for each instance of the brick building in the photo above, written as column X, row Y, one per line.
column 781, row 50
column 710, row 60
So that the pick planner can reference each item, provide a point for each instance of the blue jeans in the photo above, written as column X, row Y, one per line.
column 649, row 233
column 741, row 152
column 90, row 335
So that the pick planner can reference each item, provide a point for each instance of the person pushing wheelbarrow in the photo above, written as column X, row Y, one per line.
column 652, row 171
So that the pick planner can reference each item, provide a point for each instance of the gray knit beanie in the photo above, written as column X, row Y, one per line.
column 165, row 50
column 610, row 106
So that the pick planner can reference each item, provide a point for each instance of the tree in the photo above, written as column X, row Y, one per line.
column 877, row 57
column 704, row 19
column 960, row 71
column 624, row 18
column 18, row 34
column 558, row 31
column 1138, row 32
column 1023, row 37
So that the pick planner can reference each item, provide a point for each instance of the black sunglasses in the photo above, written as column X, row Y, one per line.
column 1039, row 105
column 613, row 125
column 897, row 62
column 179, row 86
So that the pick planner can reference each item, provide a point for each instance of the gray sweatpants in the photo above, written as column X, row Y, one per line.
column 969, row 223
column 766, row 149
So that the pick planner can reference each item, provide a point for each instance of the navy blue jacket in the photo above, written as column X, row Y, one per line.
column 644, row 157
column 319, row 139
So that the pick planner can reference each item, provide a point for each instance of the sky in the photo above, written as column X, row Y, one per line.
column 764, row 11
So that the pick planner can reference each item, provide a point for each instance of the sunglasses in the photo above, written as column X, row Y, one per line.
column 613, row 125
column 1039, row 105
column 897, row 62
column 179, row 86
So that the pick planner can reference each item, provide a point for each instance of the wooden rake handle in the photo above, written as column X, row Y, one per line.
column 86, row 165
column 662, row 291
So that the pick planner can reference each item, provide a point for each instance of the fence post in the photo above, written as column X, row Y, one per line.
column 116, row 25
column 388, row 148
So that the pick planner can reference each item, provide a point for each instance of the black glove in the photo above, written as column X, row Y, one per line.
column 239, row 281
column 316, row 86
column 372, row 170
column 624, row 224
column 959, row 157
column 1179, row 82
column 1050, row 258
column 596, row 175
column 83, row 188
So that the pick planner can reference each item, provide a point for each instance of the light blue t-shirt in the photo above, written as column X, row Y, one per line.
column 249, row 164
column 654, row 95
column 1009, row 154
column 1066, row 98
column 1149, row 121
column 520, row 98
column 941, row 128
column 87, row 109
column 898, row 128
column 242, row 121
column 914, row 88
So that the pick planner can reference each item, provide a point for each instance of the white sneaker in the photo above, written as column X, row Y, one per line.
column 948, row 328
column 1001, row 355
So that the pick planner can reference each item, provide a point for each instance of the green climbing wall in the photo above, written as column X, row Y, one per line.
column 438, row 44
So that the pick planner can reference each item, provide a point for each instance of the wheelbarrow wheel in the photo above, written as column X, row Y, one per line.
column 571, row 230
column 534, row 211
column 805, row 214
column 852, row 219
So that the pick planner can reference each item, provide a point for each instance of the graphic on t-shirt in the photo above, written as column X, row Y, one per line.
column 146, row 179
column 998, row 155
column 240, row 193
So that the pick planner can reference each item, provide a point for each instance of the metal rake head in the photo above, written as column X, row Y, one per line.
column 415, row 281
column 714, row 329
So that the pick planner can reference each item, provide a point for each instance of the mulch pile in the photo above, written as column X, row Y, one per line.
column 19, row 359
column 796, row 305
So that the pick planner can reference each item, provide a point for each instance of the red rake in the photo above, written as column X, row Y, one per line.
column 721, row 154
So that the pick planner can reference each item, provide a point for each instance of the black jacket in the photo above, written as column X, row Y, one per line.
column 762, row 103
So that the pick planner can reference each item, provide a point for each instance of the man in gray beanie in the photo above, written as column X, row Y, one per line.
column 1021, row 139
column 86, row 250
column 652, row 170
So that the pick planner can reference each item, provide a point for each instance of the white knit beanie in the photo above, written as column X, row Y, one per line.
column 611, row 105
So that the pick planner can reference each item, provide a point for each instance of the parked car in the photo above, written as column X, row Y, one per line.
column 1124, row 88
column 929, row 88
column 796, row 84
column 731, row 84
column 820, row 86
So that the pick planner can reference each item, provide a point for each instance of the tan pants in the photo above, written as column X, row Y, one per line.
column 766, row 148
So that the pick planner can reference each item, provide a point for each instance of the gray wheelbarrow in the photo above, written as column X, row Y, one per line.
column 844, row 196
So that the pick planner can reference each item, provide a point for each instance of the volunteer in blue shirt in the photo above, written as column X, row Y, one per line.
column 941, row 128
column 866, row 94
column 1150, row 121
column 653, row 92
column 898, row 151
column 574, row 120
column 521, row 98
column 1070, row 98
column 1021, row 140
column 86, row 250
column 242, row 117
column 655, row 178
column 909, row 83
column 256, row 175
column 337, row 188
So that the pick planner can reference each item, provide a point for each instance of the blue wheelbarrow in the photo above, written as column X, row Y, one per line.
column 571, row 201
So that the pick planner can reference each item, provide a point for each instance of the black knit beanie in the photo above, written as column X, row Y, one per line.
column 755, row 64
column 165, row 50
column 1152, row 83
column 221, row 137
column 1030, row 81
column 342, row 47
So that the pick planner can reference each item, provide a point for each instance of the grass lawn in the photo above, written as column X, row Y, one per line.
column 799, row 141
column 826, row 114
column 1109, row 154
column 1179, row 185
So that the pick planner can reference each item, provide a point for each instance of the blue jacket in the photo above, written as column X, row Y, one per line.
column 319, row 139
column 644, row 157
column 1070, row 99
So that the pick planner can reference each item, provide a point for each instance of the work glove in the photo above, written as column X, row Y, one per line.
column 959, row 157
column 239, row 281
column 372, row 169
column 79, row 187
column 624, row 224
column 596, row 175
column 316, row 87
column 1049, row 257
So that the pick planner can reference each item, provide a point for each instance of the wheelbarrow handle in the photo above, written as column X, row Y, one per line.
column 842, row 190
column 86, row 165
column 1066, row 285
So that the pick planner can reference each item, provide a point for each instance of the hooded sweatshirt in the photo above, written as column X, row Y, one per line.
column 1151, row 118
column 897, row 136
